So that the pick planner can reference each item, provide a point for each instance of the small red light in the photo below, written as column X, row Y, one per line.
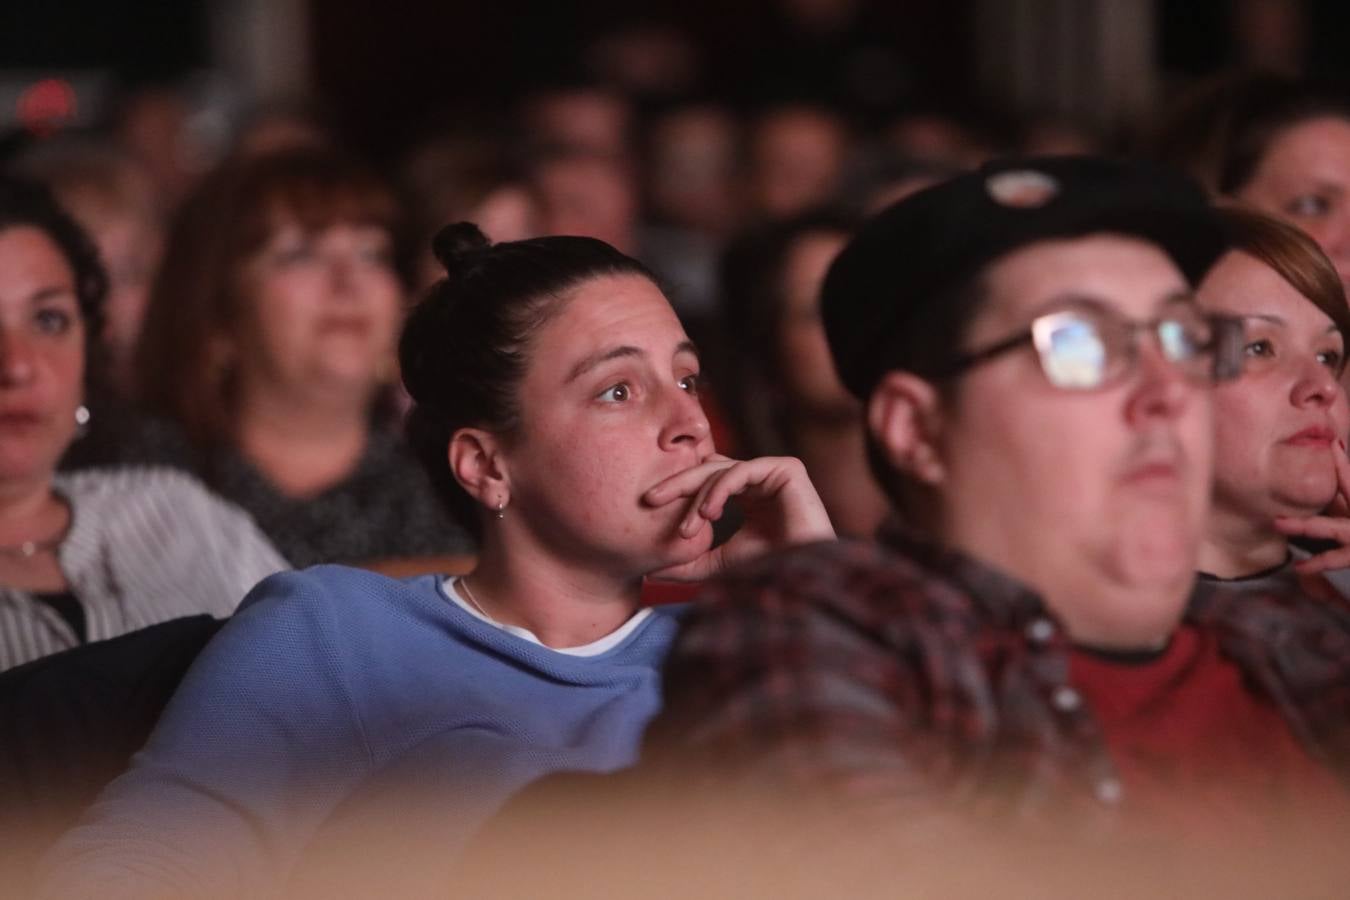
column 47, row 105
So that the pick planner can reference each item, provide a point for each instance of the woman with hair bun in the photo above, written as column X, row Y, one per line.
column 556, row 408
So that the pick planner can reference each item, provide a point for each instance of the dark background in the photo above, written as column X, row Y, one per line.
column 387, row 70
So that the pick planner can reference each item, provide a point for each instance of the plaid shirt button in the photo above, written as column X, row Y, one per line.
column 1040, row 631
column 1109, row 791
column 1066, row 699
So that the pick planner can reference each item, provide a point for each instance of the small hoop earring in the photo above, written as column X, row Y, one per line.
column 82, row 417
column 501, row 509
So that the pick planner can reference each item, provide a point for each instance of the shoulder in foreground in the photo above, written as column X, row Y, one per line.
column 850, row 574
column 349, row 586
column 845, row 557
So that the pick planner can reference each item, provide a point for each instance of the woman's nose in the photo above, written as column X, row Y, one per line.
column 341, row 271
column 686, row 422
column 16, row 358
column 1315, row 385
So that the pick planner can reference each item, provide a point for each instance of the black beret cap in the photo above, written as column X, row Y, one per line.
column 891, row 277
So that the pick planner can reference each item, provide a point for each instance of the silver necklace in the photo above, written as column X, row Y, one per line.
column 30, row 549
column 473, row 601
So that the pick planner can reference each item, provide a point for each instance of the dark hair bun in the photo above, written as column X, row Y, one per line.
column 456, row 243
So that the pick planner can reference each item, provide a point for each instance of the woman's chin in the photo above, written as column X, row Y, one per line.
column 1304, row 498
column 1155, row 547
column 340, row 381
column 27, row 465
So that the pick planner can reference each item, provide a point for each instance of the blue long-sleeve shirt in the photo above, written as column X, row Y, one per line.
column 331, row 680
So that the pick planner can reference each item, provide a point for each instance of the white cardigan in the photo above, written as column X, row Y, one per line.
column 145, row 545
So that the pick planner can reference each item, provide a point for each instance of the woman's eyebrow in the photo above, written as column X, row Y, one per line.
column 1324, row 185
column 1068, row 298
column 53, row 292
column 602, row 356
column 595, row 359
column 1182, row 295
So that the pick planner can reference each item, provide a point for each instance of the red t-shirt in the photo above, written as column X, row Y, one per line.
column 658, row 593
column 1196, row 748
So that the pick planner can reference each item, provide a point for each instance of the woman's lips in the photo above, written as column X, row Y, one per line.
column 1317, row 436
column 1152, row 471
column 345, row 325
column 19, row 419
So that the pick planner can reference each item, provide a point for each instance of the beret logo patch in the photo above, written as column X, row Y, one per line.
column 1021, row 188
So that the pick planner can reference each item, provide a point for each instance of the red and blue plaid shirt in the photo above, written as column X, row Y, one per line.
column 896, row 673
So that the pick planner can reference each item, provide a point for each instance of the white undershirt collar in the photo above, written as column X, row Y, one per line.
column 450, row 588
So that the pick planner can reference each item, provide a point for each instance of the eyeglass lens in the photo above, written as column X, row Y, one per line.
column 1075, row 355
column 1081, row 350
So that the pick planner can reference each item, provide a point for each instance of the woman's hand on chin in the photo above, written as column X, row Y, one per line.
column 780, row 504
column 1332, row 525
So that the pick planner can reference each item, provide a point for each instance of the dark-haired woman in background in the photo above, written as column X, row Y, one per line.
column 99, row 553
column 557, row 408
column 1279, row 145
column 780, row 383
column 269, row 346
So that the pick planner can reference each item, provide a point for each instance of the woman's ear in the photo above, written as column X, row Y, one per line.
column 904, row 415
column 475, row 461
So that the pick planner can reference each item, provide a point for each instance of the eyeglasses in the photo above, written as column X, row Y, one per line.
column 1087, row 346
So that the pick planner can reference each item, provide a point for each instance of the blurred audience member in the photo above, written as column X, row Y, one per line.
column 153, row 125
column 1281, row 146
column 585, row 119
column 1281, row 427
column 463, row 178
column 95, row 554
column 693, row 169
column 269, row 345
column 846, row 54
column 1056, row 136
column 1270, row 35
column 693, row 200
column 278, row 127
column 889, row 179
column 113, row 199
column 586, row 194
column 649, row 60
column 938, row 138
column 797, row 155
column 780, row 383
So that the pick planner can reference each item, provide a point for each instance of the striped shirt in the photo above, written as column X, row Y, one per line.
column 145, row 545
